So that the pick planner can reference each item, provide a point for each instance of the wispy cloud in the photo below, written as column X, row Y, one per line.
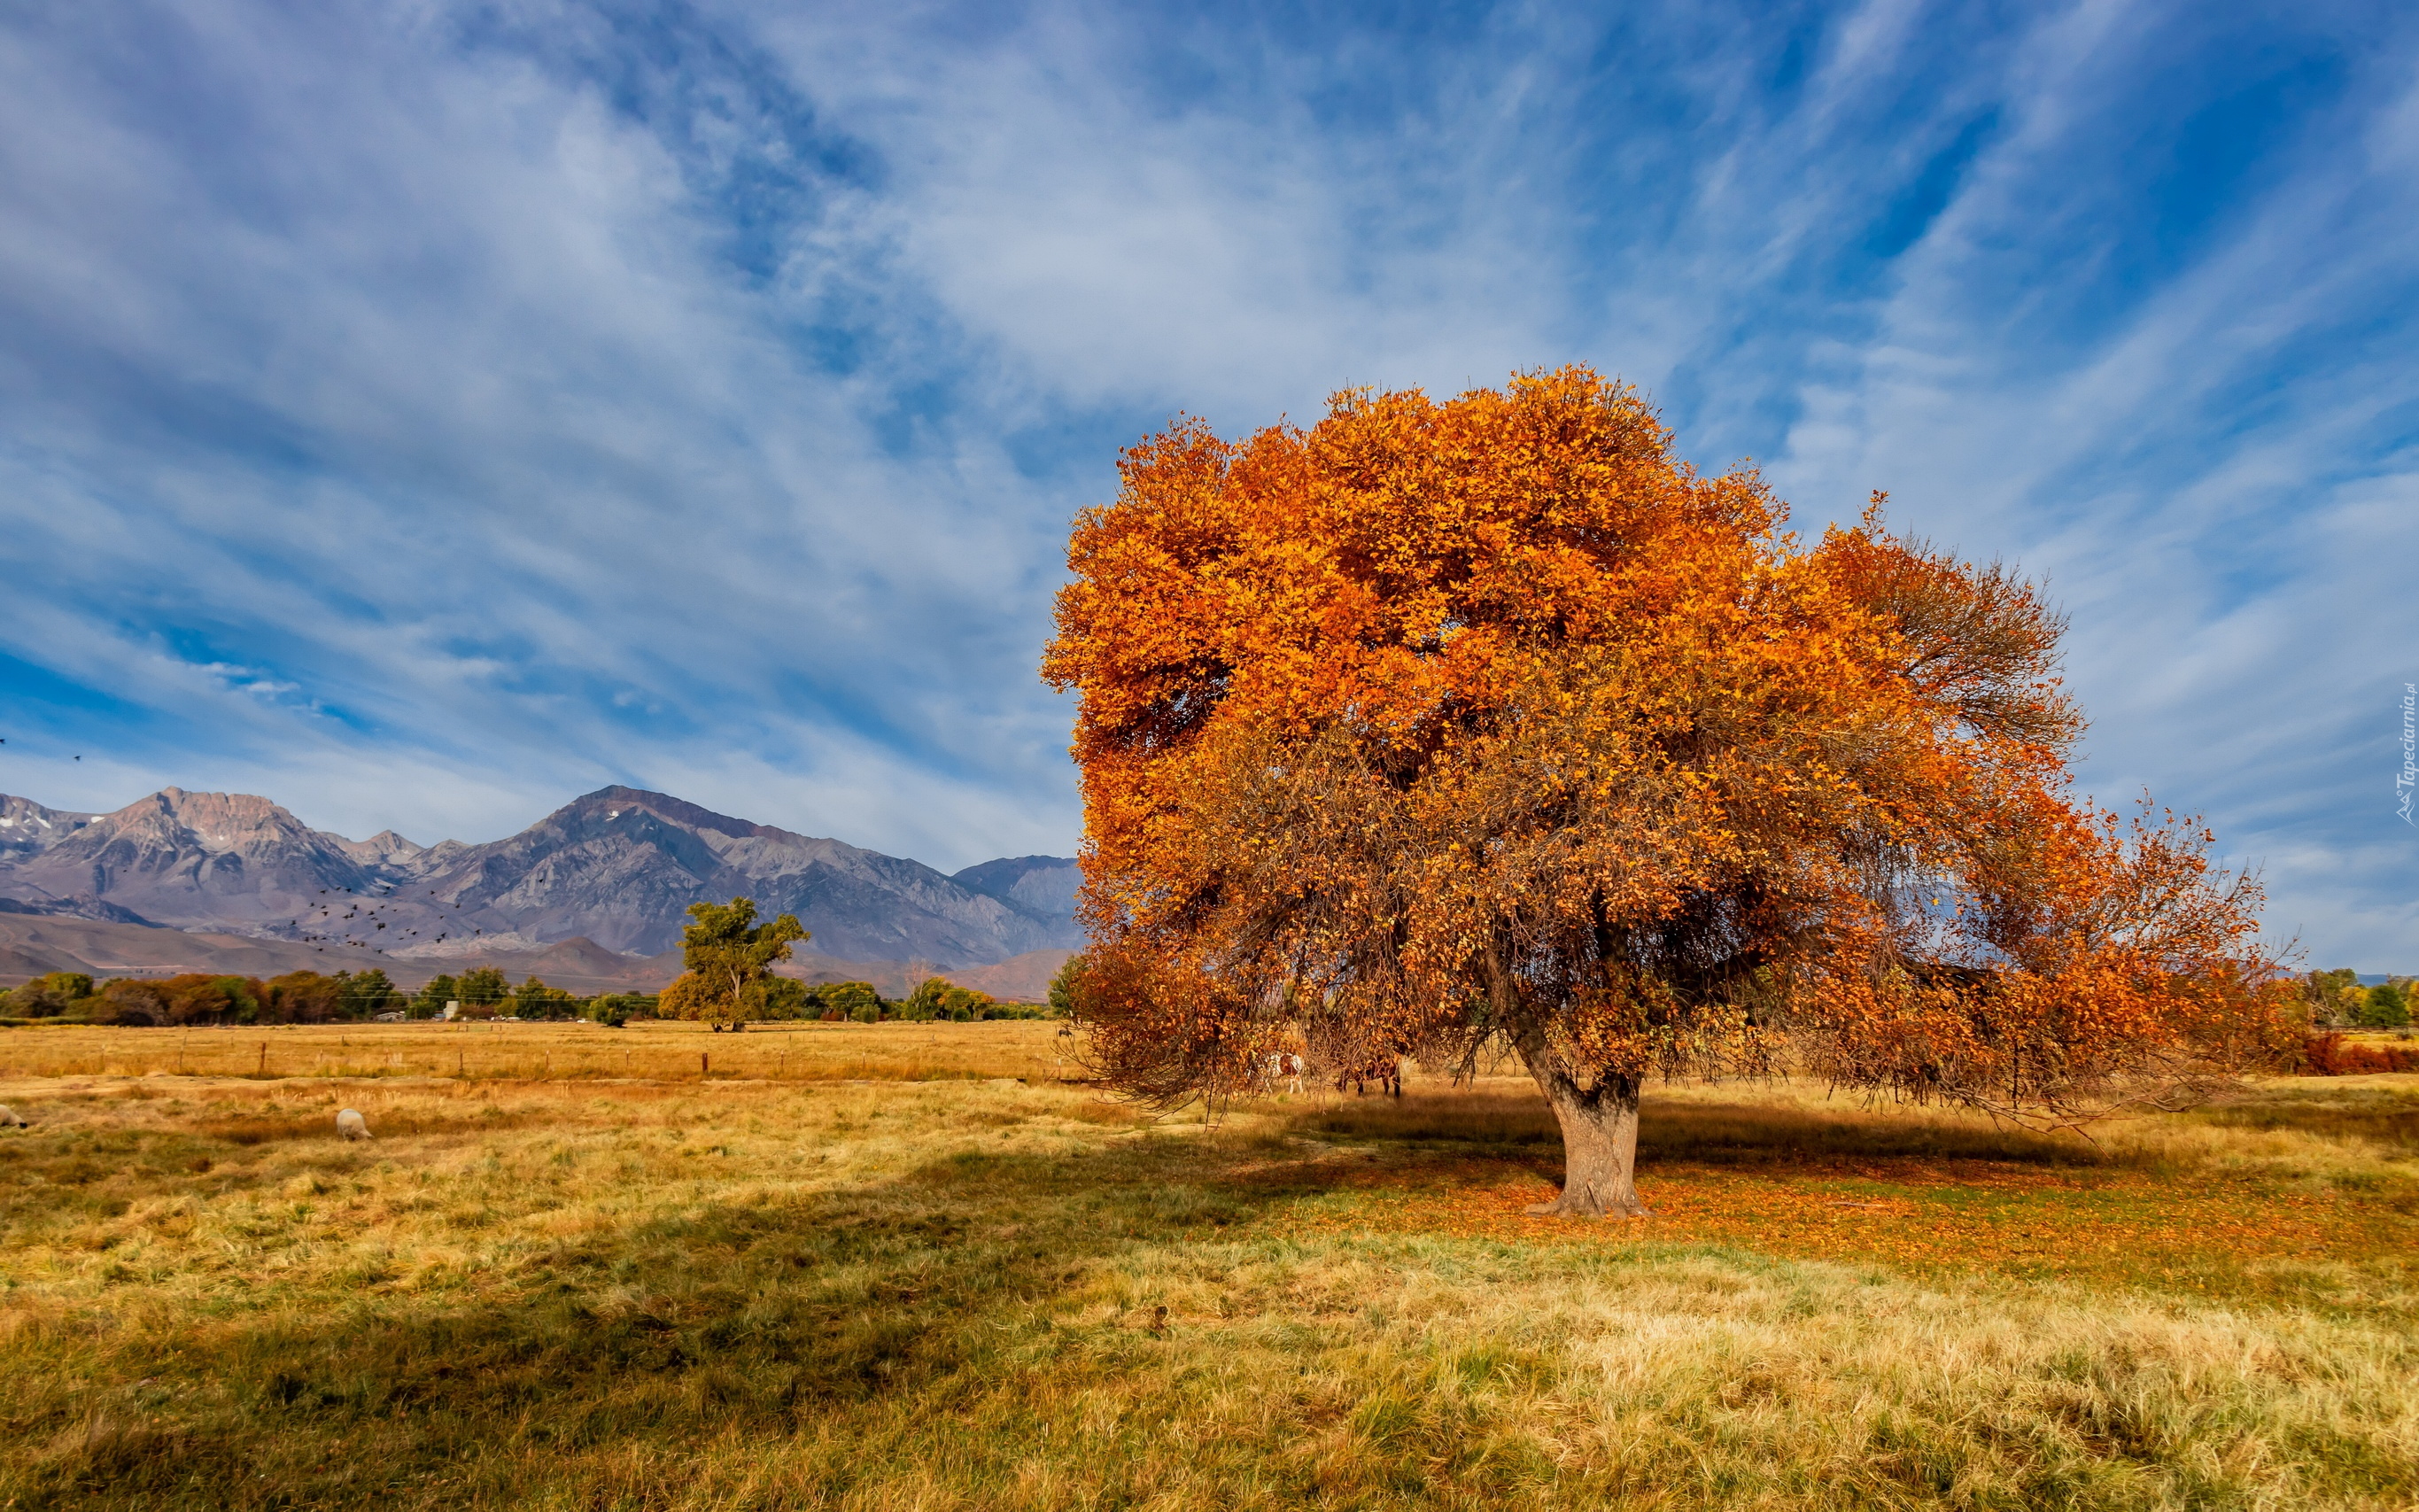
column 423, row 413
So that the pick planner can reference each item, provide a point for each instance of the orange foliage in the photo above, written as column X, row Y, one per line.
column 688, row 995
column 2332, row 1055
column 1492, row 717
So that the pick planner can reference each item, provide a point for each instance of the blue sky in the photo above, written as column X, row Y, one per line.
column 424, row 413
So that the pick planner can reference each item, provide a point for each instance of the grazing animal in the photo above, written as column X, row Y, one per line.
column 350, row 1124
column 1286, row 1068
column 1386, row 1070
column 8, row 1118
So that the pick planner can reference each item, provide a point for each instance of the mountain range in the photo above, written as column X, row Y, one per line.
column 617, row 867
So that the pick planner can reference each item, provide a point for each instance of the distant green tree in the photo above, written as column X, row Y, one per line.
column 855, row 1000
column 963, row 1005
column 534, row 1000
column 786, row 997
column 430, row 1000
column 306, row 998
column 615, row 1010
column 34, row 1001
column 930, row 1000
column 2334, row 996
column 197, row 998
column 367, row 994
column 51, row 995
column 728, row 954
column 484, row 985
column 130, row 1000
column 1062, row 988
column 2387, row 1007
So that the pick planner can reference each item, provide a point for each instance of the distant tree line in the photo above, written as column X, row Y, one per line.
column 304, row 997
column 729, row 979
column 481, row 993
column 2336, row 999
column 777, row 998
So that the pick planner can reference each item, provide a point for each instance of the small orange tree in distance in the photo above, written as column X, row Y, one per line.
column 1490, row 720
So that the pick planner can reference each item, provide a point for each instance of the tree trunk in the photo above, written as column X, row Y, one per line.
column 1599, row 1126
column 1599, row 1140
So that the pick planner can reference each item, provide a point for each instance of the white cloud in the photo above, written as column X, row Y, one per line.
column 514, row 401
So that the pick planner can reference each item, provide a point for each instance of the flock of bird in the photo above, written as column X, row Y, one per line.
column 327, row 911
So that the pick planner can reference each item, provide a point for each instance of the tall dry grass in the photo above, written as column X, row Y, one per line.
column 650, row 1051
column 893, row 1277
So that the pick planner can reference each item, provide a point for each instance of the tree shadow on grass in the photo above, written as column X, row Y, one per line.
column 2383, row 1115
column 602, row 1368
column 753, row 1320
column 1743, row 1132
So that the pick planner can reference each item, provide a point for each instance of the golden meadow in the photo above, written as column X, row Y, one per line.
column 922, row 1265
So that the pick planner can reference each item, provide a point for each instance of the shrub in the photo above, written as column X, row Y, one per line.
column 615, row 1010
column 2332, row 1055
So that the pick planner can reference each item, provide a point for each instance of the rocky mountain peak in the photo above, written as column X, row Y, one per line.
column 618, row 866
column 1043, row 886
column 220, row 822
column 385, row 848
column 617, row 803
column 26, row 826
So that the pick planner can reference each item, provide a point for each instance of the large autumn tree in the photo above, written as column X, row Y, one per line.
column 1441, row 725
column 727, row 955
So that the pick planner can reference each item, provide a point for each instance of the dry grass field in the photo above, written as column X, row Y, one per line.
column 904, row 1266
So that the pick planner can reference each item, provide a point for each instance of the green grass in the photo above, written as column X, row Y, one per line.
column 928, row 1293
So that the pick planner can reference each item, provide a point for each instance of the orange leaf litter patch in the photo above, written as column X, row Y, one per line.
column 1914, row 1215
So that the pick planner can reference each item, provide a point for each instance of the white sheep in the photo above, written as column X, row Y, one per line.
column 350, row 1124
column 8, row 1118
